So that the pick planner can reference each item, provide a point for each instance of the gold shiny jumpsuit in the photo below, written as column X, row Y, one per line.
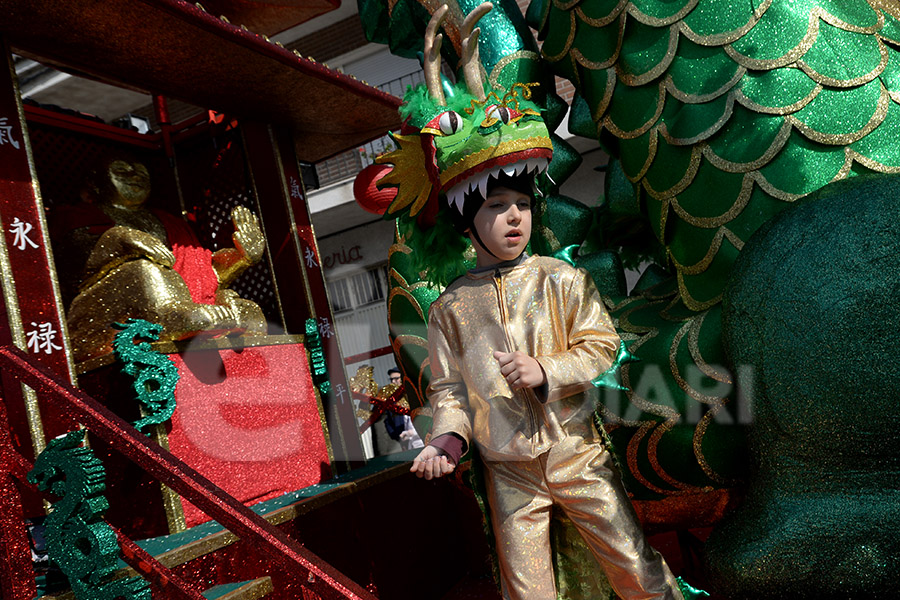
column 539, row 445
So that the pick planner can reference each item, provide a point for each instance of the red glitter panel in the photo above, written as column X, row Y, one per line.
column 22, row 222
column 248, row 420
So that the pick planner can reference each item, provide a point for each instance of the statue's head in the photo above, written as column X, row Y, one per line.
column 120, row 179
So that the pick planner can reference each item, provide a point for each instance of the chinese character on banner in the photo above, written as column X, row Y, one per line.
column 295, row 188
column 325, row 329
column 310, row 258
column 340, row 391
column 6, row 134
column 41, row 339
column 20, row 230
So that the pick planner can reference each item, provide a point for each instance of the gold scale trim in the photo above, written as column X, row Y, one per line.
column 700, row 266
column 707, row 369
column 646, row 19
column 596, row 66
column 878, row 116
column 658, row 430
column 687, row 98
column 508, row 59
column 847, row 83
column 722, row 39
column 404, row 293
column 777, row 110
column 804, row 45
column 774, row 148
column 711, row 222
column 628, row 135
column 708, row 132
column 683, row 183
column 567, row 46
column 658, row 69
column 602, row 21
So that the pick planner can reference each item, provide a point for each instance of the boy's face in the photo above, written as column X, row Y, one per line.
column 504, row 224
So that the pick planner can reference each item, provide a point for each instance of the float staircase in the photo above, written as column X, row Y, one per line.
column 288, row 563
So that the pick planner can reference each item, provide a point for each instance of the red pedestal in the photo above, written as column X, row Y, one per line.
column 249, row 421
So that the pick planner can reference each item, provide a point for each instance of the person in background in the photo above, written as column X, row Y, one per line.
column 400, row 427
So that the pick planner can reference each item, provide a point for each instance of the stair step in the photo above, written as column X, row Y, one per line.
column 179, row 548
column 242, row 590
column 474, row 588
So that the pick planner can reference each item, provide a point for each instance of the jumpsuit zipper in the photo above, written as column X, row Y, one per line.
column 504, row 319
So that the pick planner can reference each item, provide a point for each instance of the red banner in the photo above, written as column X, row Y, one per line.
column 34, row 313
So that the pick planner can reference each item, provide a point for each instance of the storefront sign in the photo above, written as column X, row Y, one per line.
column 344, row 257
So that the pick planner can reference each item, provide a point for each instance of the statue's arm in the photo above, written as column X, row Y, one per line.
column 249, row 245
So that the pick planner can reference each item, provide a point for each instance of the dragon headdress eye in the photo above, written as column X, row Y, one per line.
column 446, row 123
column 501, row 113
column 450, row 122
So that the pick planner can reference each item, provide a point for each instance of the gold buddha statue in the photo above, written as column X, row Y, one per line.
column 124, row 260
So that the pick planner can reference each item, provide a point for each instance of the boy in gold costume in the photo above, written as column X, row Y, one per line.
column 513, row 347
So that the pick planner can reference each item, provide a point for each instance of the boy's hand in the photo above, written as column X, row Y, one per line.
column 430, row 464
column 520, row 370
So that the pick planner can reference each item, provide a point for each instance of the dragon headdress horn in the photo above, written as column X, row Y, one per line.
column 468, row 52
column 432, row 60
column 470, row 59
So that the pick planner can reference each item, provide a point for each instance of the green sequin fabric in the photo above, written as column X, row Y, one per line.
column 723, row 113
column 812, row 315
column 719, row 115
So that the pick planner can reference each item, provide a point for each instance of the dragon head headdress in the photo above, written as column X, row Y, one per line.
column 456, row 138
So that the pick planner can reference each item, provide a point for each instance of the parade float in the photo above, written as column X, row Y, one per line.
column 753, row 158
column 176, row 418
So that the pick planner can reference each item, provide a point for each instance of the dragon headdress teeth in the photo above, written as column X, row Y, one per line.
column 455, row 138
column 456, row 195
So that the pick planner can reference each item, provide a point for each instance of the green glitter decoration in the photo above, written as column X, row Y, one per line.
column 720, row 117
column 154, row 374
column 768, row 92
column 317, row 367
column 656, row 321
column 690, row 592
column 811, row 314
column 608, row 379
column 78, row 539
column 567, row 254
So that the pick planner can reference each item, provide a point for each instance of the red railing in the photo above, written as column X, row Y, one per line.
column 317, row 576
column 367, row 355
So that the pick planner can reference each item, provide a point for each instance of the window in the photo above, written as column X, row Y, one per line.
column 339, row 294
column 361, row 289
column 370, row 286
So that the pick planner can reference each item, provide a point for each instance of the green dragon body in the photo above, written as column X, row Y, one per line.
column 718, row 117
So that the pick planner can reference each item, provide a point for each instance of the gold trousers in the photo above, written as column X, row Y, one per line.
column 579, row 478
